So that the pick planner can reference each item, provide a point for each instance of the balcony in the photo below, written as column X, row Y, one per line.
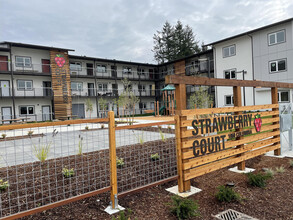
column 200, row 68
column 24, row 93
column 29, row 69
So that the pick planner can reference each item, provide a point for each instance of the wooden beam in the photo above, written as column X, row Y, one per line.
column 180, row 97
column 179, row 154
column 274, row 96
column 205, row 81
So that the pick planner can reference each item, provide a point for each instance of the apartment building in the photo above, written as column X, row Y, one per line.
column 41, row 83
column 264, row 53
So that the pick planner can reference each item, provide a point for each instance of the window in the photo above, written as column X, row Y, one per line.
column 103, row 87
column 141, row 88
column 26, row 110
column 23, row 61
column 24, row 84
column 76, row 86
column 229, row 51
column 127, row 70
column 277, row 37
column 140, row 71
column 142, row 105
column 277, row 65
column 101, row 68
column 75, row 66
column 229, row 100
column 230, row 74
column 283, row 96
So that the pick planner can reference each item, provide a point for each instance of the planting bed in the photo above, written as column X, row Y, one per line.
column 36, row 184
column 271, row 203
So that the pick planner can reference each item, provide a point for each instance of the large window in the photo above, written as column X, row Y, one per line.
column 278, row 65
column 140, row 71
column 76, row 86
column 230, row 74
column 26, row 110
column 283, row 96
column 229, row 100
column 75, row 66
column 103, row 87
column 24, row 84
column 141, row 88
column 229, row 51
column 23, row 61
column 101, row 68
column 276, row 37
column 127, row 70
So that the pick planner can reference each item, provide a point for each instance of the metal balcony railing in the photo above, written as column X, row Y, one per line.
column 34, row 92
column 91, row 92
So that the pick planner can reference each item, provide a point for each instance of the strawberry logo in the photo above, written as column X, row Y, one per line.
column 60, row 61
column 257, row 122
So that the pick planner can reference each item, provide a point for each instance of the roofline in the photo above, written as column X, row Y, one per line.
column 249, row 32
column 111, row 60
column 34, row 46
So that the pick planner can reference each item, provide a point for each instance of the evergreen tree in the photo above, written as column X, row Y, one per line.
column 173, row 43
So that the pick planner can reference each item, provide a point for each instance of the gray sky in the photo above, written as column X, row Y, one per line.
column 124, row 30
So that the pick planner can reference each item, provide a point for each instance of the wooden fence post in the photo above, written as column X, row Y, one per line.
column 180, row 91
column 274, row 95
column 113, row 166
column 237, row 103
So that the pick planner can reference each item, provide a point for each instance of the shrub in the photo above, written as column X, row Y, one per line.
column 227, row 194
column 280, row 169
column 120, row 162
column 169, row 127
column 68, row 172
column 155, row 156
column 123, row 216
column 270, row 172
column 30, row 133
column 184, row 208
column 86, row 127
column 3, row 135
column 258, row 179
column 3, row 185
column 162, row 135
column 102, row 126
column 291, row 163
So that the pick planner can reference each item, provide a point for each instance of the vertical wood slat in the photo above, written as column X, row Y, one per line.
column 112, row 152
column 179, row 154
column 237, row 103
column 274, row 96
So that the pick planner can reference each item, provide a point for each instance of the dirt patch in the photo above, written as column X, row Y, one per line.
column 273, row 202
column 21, row 137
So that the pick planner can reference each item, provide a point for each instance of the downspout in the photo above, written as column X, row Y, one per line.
column 96, row 88
column 12, row 82
column 252, row 62
column 215, row 72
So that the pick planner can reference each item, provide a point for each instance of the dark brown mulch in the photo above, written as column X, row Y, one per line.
column 36, row 184
column 271, row 203
column 156, row 129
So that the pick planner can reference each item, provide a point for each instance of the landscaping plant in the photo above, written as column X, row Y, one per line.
column 123, row 216
column 68, row 172
column 80, row 145
column 280, row 169
column 30, row 133
column 3, row 185
column 3, row 135
column 184, row 208
column 270, row 172
column 155, row 156
column 41, row 150
column 291, row 163
column 258, row 179
column 120, row 162
column 102, row 126
column 86, row 127
column 162, row 135
column 227, row 194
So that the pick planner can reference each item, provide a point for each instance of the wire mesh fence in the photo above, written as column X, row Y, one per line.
column 145, row 155
column 43, row 165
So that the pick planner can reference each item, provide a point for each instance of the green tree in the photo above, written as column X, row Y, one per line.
column 89, row 106
column 174, row 42
column 201, row 98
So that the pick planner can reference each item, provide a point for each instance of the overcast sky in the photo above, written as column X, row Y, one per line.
column 124, row 30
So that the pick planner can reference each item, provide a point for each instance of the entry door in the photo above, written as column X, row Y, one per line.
column 78, row 110
column 45, row 66
column 114, row 71
column 90, row 69
column 5, row 90
column 6, row 114
column 47, row 87
column 91, row 89
column 46, row 113
column 3, row 63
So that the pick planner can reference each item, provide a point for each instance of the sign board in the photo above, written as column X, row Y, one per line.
column 214, row 138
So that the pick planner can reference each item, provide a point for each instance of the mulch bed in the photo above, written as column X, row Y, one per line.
column 21, row 137
column 271, row 203
column 36, row 184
